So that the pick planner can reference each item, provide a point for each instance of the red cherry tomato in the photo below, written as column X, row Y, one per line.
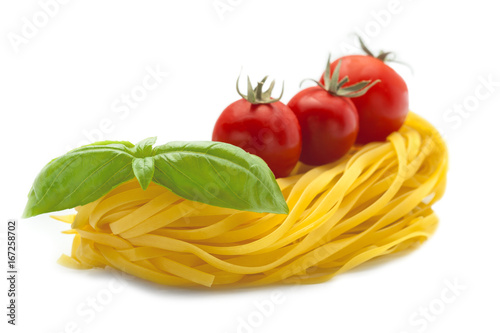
column 269, row 130
column 329, row 124
column 383, row 109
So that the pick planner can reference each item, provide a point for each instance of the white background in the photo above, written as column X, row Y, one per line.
column 64, row 81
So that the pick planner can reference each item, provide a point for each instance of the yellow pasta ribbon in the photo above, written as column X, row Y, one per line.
column 374, row 201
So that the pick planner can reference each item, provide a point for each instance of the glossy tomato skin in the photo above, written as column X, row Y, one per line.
column 383, row 109
column 270, row 131
column 329, row 125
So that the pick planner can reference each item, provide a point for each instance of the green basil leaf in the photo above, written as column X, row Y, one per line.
column 214, row 173
column 81, row 176
column 143, row 170
column 218, row 174
column 127, row 144
column 143, row 148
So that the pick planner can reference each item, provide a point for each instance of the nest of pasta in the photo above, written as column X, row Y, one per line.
column 373, row 202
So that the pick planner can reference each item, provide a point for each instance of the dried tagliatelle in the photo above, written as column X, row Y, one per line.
column 375, row 201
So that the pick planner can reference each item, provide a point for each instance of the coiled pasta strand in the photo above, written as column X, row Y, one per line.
column 373, row 202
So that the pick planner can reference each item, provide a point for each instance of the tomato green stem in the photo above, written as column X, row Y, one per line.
column 257, row 95
column 381, row 55
column 336, row 87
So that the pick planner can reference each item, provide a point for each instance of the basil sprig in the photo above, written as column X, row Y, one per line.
column 214, row 173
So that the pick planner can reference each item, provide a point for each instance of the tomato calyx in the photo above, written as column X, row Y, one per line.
column 256, row 95
column 336, row 87
column 382, row 55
